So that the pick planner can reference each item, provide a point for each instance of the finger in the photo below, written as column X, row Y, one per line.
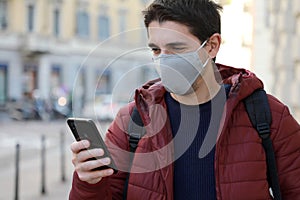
column 95, row 175
column 92, row 164
column 76, row 147
column 88, row 154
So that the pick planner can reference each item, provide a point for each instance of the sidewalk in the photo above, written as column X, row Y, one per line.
column 4, row 116
column 28, row 135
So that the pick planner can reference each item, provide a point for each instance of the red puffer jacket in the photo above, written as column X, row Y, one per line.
column 240, row 163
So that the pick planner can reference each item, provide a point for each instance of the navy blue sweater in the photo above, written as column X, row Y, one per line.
column 194, row 176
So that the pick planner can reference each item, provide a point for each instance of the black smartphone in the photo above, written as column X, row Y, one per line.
column 85, row 129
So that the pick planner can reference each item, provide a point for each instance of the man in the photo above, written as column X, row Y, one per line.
column 200, row 143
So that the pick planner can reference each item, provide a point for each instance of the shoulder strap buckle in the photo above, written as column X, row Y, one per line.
column 263, row 130
column 134, row 139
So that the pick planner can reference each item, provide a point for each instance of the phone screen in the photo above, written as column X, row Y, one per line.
column 85, row 129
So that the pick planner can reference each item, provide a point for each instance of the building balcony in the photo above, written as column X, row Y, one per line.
column 34, row 44
column 9, row 41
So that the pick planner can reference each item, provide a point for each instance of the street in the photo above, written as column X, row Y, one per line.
column 28, row 134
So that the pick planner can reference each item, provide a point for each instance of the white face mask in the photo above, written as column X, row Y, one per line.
column 178, row 72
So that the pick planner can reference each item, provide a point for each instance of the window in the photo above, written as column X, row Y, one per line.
column 103, row 27
column 83, row 25
column 267, row 15
column 3, row 15
column 122, row 20
column 30, row 18
column 3, row 84
column 30, row 77
column 56, row 76
column 80, row 92
column 103, row 82
column 56, row 22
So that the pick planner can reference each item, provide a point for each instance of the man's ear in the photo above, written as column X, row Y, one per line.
column 213, row 45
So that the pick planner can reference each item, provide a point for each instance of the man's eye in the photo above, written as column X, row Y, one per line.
column 178, row 49
column 155, row 50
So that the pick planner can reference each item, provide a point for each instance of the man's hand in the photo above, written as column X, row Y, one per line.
column 84, row 164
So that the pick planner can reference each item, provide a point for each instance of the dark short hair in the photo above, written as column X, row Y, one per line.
column 202, row 17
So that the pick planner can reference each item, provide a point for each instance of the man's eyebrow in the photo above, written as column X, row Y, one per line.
column 152, row 45
column 176, row 44
column 172, row 44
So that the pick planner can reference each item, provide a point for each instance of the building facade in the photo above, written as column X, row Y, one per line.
column 264, row 36
column 84, row 48
column 78, row 47
column 236, row 31
column 284, row 21
column 276, row 49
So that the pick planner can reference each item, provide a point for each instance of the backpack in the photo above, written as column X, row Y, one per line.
column 257, row 107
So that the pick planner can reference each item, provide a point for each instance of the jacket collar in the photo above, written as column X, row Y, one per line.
column 243, row 82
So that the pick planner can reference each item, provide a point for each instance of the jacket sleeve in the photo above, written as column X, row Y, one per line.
column 83, row 190
column 110, row 187
column 286, row 143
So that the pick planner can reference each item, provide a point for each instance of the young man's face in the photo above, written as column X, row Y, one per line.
column 170, row 38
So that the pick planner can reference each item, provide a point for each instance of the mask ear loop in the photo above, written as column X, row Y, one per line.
column 206, row 62
column 202, row 45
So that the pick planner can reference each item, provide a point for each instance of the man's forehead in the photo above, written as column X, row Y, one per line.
column 170, row 40
column 169, row 32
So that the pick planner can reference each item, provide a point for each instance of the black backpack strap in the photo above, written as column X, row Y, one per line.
column 136, row 131
column 258, row 110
